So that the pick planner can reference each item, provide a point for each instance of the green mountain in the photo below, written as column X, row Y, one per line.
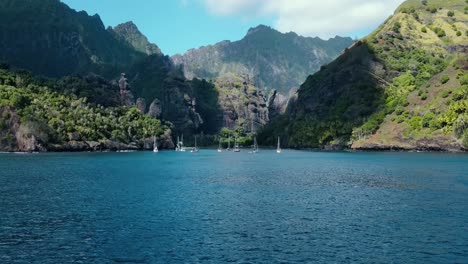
column 49, row 38
column 405, row 86
column 274, row 61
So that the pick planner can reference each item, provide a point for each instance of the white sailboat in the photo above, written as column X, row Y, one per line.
column 219, row 147
column 181, row 145
column 195, row 149
column 236, row 146
column 255, row 146
column 229, row 144
column 155, row 145
column 278, row 149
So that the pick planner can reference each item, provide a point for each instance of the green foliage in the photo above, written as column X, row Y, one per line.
column 444, row 79
column 450, row 13
column 439, row 31
column 244, row 139
column 445, row 93
column 459, row 33
column 54, row 116
column 464, row 80
column 433, row 10
column 424, row 30
column 397, row 27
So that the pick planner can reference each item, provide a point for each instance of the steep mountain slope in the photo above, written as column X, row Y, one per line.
column 131, row 34
column 402, row 87
column 274, row 61
column 49, row 38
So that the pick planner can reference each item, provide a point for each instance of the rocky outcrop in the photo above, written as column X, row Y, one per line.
column 155, row 109
column 243, row 105
column 141, row 105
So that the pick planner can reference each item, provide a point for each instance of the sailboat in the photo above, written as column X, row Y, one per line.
column 278, row 149
column 255, row 146
column 181, row 144
column 229, row 144
column 155, row 145
column 219, row 147
column 195, row 149
column 236, row 146
column 177, row 144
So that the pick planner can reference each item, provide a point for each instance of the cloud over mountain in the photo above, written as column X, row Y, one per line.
column 310, row 17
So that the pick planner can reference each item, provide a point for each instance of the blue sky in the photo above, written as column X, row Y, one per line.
column 178, row 25
column 174, row 26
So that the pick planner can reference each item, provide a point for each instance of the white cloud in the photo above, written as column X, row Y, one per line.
column 324, row 18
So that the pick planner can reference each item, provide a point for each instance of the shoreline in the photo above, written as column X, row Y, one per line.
column 363, row 150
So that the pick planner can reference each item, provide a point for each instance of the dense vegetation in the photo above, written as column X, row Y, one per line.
column 403, row 86
column 53, row 118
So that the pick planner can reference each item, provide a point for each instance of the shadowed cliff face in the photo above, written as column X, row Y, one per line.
column 49, row 38
column 272, row 60
column 331, row 102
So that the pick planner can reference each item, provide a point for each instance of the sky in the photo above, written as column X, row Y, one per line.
column 179, row 25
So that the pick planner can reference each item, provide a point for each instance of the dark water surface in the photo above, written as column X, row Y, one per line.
column 298, row 207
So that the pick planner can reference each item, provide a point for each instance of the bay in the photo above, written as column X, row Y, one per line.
column 210, row 207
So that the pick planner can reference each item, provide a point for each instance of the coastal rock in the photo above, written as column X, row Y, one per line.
column 95, row 146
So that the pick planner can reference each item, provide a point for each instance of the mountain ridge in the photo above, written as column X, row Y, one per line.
column 274, row 60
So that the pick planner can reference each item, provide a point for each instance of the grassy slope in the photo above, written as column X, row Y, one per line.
column 386, row 91
column 429, row 119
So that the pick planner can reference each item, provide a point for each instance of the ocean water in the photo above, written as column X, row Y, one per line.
column 209, row 207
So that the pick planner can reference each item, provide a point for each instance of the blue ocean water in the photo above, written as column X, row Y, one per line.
column 209, row 207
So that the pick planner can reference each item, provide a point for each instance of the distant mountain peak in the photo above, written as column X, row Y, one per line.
column 261, row 28
column 130, row 33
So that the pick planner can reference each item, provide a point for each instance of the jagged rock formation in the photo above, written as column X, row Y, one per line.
column 272, row 60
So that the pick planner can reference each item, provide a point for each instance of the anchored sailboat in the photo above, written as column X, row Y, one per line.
column 229, row 144
column 180, row 145
column 236, row 146
column 155, row 145
column 278, row 149
column 255, row 146
column 219, row 147
column 195, row 149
